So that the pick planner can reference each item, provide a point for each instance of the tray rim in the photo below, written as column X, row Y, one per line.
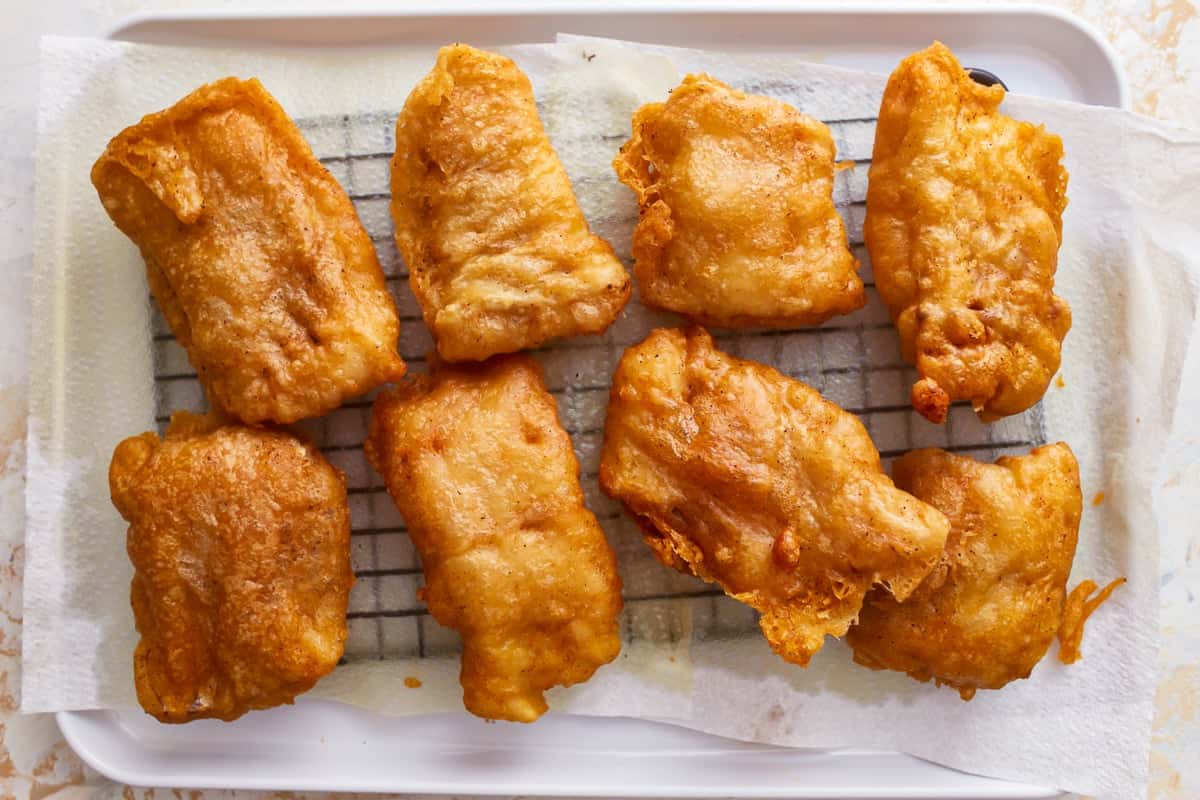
column 74, row 724
column 126, row 28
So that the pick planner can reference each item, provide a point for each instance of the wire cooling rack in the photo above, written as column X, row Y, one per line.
column 852, row 360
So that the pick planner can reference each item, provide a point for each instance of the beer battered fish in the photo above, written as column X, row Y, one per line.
column 738, row 227
column 240, row 543
column 254, row 253
column 963, row 224
column 749, row 479
column 989, row 610
column 499, row 254
column 486, row 479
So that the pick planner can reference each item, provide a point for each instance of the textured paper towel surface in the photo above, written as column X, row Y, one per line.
column 1129, row 234
column 99, row 346
column 1129, row 269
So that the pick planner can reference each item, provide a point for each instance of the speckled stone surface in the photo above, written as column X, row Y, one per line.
column 1159, row 44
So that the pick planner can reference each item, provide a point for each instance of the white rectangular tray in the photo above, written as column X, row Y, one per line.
column 318, row 745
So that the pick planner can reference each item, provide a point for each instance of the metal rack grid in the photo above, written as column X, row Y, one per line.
column 852, row 360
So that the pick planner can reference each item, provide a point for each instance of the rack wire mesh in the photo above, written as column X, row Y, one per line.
column 853, row 361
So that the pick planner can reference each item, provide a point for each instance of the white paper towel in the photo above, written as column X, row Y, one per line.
column 96, row 362
column 1130, row 268
column 1127, row 267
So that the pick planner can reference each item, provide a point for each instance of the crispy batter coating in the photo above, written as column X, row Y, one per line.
column 486, row 479
column 499, row 254
column 747, row 478
column 254, row 254
column 240, row 543
column 991, row 607
column 1079, row 606
column 963, row 224
column 738, row 226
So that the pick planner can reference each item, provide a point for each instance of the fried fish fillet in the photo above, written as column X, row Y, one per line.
column 499, row 254
column 486, row 479
column 747, row 478
column 963, row 224
column 990, row 608
column 738, row 226
column 254, row 253
column 240, row 543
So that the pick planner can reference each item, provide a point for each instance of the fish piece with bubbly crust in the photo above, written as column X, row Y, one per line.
column 240, row 543
column 750, row 479
column 738, row 227
column 486, row 479
column 989, row 610
column 963, row 224
column 499, row 254
column 254, row 253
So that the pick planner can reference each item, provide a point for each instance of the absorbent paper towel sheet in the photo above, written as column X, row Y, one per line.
column 1128, row 267
column 94, row 341
column 1130, row 270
